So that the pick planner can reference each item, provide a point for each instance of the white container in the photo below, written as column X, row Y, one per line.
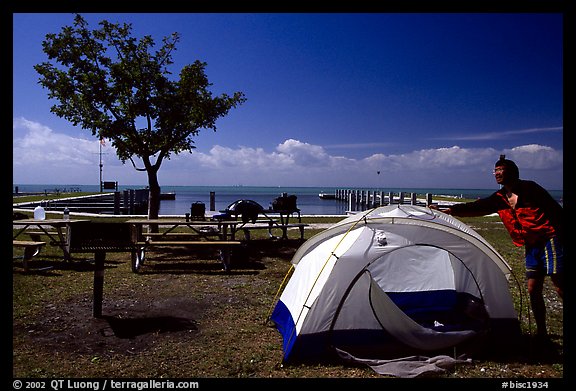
column 39, row 213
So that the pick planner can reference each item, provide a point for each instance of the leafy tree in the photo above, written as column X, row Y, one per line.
column 110, row 83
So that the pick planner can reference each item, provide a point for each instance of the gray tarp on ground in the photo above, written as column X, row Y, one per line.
column 408, row 367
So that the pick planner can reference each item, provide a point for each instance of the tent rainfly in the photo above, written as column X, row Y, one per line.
column 392, row 281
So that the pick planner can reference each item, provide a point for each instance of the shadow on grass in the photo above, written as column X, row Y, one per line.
column 526, row 350
column 129, row 328
column 175, row 267
column 52, row 266
column 247, row 259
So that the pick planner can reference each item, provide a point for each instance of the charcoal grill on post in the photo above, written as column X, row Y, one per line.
column 100, row 238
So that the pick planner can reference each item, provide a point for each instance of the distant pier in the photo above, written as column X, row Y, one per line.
column 360, row 200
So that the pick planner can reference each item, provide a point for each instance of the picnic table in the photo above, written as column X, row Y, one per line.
column 57, row 231
column 192, row 233
column 270, row 219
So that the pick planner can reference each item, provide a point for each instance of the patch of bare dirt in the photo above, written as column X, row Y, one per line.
column 127, row 327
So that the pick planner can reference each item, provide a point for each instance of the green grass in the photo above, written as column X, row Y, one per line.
column 183, row 317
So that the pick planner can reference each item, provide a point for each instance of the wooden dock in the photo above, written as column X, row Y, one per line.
column 126, row 202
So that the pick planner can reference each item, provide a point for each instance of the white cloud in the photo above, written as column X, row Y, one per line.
column 535, row 157
column 304, row 154
column 34, row 143
column 42, row 155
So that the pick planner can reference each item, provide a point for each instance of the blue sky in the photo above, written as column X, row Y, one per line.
column 333, row 99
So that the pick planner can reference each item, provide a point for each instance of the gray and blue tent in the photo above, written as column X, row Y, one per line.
column 392, row 281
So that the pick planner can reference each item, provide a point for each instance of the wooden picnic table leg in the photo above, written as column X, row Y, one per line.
column 225, row 256
column 65, row 242
column 29, row 252
column 99, row 258
column 284, row 222
column 270, row 226
column 223, row 227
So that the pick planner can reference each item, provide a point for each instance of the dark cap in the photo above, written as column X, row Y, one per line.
column 509, row 165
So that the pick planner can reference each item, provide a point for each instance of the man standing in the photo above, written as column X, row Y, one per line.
column 534, row 220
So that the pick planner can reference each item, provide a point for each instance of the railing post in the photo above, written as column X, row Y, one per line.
column 131, row 192
column 212, row 201
column 352, row 201
column 116, row 202
column 368, row 200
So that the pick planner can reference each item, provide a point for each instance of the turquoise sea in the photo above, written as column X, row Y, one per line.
column 307, row 197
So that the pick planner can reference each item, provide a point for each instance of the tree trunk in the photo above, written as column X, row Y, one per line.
column 153, row 198
column 154, row 195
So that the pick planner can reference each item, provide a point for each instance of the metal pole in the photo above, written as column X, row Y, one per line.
column 98, row 288
column 100, row 164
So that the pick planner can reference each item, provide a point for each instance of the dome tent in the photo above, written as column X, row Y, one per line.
column 392, row 281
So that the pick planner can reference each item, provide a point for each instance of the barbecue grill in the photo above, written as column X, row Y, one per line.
column 100, row 238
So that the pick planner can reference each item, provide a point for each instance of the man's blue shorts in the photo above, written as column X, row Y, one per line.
column 545, row 259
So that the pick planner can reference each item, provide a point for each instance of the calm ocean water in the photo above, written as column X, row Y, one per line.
column 307, row 197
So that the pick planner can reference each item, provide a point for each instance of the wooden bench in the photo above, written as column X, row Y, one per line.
column 223, row 246
column 284, row 227
column 258, row 224
column 274, row 221
column 179, row 234
column 31, row 249
column 300, row 227
column 160, row 234
column 217, row 243
column 36, row 236
column 41, row 233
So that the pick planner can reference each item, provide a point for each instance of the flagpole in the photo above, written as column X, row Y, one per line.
column 101, row 164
